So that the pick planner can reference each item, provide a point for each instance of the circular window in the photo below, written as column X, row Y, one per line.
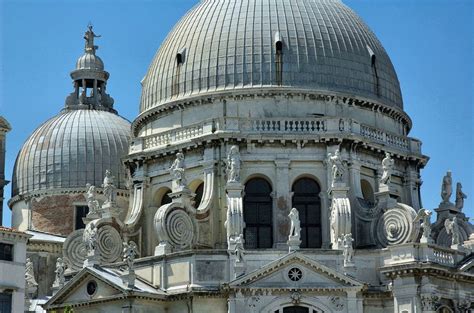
column 295, row 274
column 91, row 288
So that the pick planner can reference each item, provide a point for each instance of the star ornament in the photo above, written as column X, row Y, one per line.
column 295, row 274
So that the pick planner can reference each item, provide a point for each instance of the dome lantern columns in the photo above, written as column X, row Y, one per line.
column 90, row 75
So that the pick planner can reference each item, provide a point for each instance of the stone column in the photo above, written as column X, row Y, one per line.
column 412, row 187
column 354, row 302
column 354, row 174
column 282, row 200
column 405, row 295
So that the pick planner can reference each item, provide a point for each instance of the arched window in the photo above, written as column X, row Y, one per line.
column 306, row 200
column 295, row 309
column 162, row 197
column 258, row 214
column 367, row 191
column 199, row 192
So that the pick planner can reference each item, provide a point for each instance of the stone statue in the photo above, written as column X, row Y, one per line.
column 90, row 237
column 460, row 196
column 233, row 165
column 348, row 250
column 452, row 228
column 177, row 171
column 89, row 37
column 30, row 274
column 387, row 169
column 109, row 188
column 425, row 217
column 239, row 249
column 447, row 187
column 92, row 202
column 337, row 168
column 60, row 267
column 295, row 228
column 130, row 251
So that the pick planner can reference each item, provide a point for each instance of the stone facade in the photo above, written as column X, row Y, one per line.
column 12, row 264
column 294, row 194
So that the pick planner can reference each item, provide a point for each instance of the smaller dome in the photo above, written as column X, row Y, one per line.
column 89, row 61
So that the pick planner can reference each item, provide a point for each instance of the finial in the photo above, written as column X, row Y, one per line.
column 89, row 37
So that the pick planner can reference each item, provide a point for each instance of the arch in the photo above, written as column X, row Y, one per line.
column 161, row 197
column 308, row 203
column 258, row 211
column 278, row 304
column 444, row 309
column 367, row 191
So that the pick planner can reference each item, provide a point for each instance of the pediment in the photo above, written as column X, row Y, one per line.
column 76, row 290
column 296, row 271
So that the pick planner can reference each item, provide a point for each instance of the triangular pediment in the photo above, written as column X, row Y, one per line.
column 76, row 290
column 296, row 271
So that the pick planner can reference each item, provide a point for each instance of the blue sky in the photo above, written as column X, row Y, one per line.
column 430, row 43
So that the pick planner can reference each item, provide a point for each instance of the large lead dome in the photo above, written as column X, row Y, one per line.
column 232, row 45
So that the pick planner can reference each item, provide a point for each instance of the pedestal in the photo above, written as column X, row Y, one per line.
column 426, row 240
column 185, row 197
column 383, row 198
column 92, row 259
column 293, row 244
column 163, row 248
column 129, row 279
column 109, row 210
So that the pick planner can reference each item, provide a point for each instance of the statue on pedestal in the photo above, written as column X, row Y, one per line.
column 295, row 228
column 447, row 187
column 239, row 249
column 30, row 274
column 92, row 201
column 460, row 196
column 109, row 188
column 90, row 237
column 177, row 172
column 452, row 228
column 130, row 251
column 425, row 217
column 337, row 168
column 348, row 250
column 387, row 169
column 60, row 267
column 233, row 165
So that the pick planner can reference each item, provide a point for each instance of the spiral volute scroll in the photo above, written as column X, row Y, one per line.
column 74, row 250
column 396, row 226
column 176, row 227
column 109, row 244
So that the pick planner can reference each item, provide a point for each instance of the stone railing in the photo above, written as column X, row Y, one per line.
column 291, row 126
column 177, row 135
column 443, row 257
column 384, row 137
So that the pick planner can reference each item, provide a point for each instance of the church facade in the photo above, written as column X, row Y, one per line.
column 270, row 169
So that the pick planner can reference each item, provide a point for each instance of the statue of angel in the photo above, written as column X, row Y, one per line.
column 177, row 170
column 60, row 266
column 387, row 169
column 233, row 165
column 90, row 237
column 92, row 201
column 452, row 228
column 130, row 252
column 295, row 228
column 425, row 217
column 30, row 274
column 337, row 168
column 239, row 249
column 460, row 196
column 447, row 187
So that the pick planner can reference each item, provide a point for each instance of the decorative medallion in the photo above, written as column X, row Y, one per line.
column 295, row 274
